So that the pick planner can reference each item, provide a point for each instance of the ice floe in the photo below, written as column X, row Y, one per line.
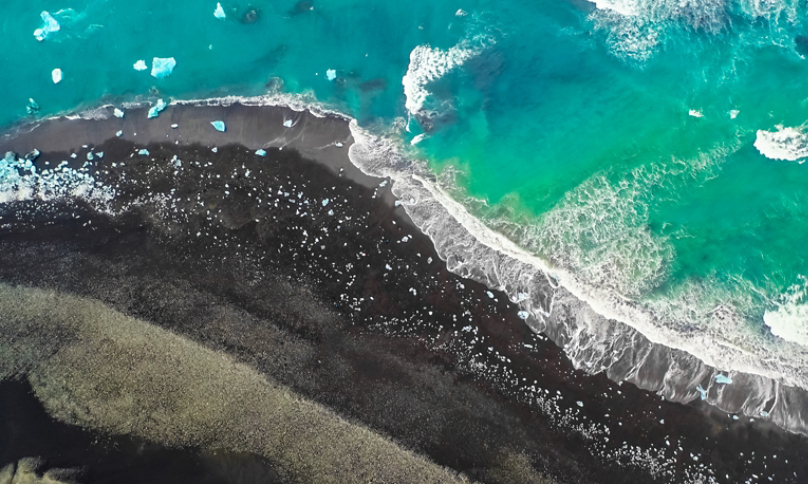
column 56, row 75
column 49, row 26
column 140, row 65
column 163, row 67
column 219, row 12
column 331, row 74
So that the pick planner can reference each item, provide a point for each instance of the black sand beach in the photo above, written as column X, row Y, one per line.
column 301, row 268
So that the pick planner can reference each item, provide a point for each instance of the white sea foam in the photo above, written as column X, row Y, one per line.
column 790, row 319
column 789, row 144
column 428, row 64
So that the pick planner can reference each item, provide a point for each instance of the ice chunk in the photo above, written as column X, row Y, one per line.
column 702, row 391
column 140, row 65
column 100, row 154
column 219, row 125
column 215, row 149
column 56, row 75
column 219, row 12
column 143, row 152
column 338, row 144
column 119, row 134
column 490, row 294
column 695, row 113
column 90, row 156
column 32, row 107
column 32, row 155
column 157, row 108
column 460, row 13
column 523, row 314
column 163, row 67
column 579, row 403
column 331, row 74
column 49, row 26
column 175, row 126
column 261, row 152
column 418, row 139
column 288, row 123
column 734, row 114
column 723, row 379
column 118, row 113
column 325, row 202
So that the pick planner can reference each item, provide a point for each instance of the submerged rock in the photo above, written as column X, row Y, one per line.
column 251, row 15
column 801, row 44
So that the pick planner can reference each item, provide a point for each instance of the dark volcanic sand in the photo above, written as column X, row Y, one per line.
column 305, row 297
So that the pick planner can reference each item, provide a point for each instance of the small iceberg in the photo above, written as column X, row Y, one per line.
column 143, row 152
column 57, row 76
column 32, row 107
column 219, row 12
column 331, row 74
column 702, row 391
column 49, row 26
column 140, row 65
column 695, row 113
column 118, row 113
column 219, row 125
column 157, row 109
column 163, row 67
column 288, row 123
column 723, row 379
column 261, row 152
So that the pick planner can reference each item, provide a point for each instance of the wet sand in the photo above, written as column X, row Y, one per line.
column 306, row 297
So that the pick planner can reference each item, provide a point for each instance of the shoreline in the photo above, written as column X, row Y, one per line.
column 495, row 317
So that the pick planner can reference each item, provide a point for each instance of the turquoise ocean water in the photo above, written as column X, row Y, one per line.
column 634, row 143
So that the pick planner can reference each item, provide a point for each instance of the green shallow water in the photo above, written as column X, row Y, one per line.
column 572, row 121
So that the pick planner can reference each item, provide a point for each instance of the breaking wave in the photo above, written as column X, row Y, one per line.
column 634, row 28
column 788, row 144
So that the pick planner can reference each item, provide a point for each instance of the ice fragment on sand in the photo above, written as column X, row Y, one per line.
column 175, row 126
column 261, row 152
column 219, row 12
column 723, row 379
column 490, row 294
column 49, row 25
column 331, row 74
column 56, row 75
column 119, row 134
column 523, row 314
column 32, row 155
column 90, row 156
column 143, row 152
column 163, row 67
column 118, row 113
column 580, row 403
column 288, row 123
column 338, row 144
column 157, row 108
column 219, row 125
column 325, row 202
column 215, row 149
column 702, row 391
column 100, row 154
column 140, row 65
column 764, row 413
